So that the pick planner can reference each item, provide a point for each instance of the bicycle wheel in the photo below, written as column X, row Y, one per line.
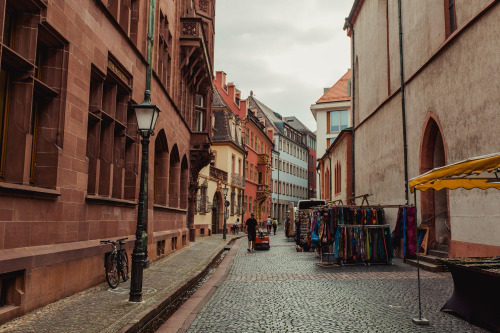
column 124, row 259
column 112, row 274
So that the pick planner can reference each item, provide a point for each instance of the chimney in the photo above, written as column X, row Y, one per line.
column 325, row 90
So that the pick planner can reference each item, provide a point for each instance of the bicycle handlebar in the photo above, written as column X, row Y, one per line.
column 121, row 241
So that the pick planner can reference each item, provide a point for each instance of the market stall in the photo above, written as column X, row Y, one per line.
column 476, row 281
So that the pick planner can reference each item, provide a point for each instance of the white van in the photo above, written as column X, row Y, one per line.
column 308, row 204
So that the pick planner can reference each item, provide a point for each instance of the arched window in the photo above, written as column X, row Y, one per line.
column 174, row 178
column 184, row 186
column 338, row 178
column 161, row 164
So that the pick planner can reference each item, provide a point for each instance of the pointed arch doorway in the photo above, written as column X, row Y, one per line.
column 434, row 204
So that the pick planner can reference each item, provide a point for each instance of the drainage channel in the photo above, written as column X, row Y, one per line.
column 154, row 324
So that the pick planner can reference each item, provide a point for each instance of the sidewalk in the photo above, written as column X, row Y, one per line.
column 103, row 310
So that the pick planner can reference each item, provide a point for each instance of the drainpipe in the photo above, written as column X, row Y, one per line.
column 353, row 104
column 330, row 180
column 318, row 186
column 403, row 110
column 147, row 97
column 151, row 25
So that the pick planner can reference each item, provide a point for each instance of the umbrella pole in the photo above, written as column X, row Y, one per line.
column 419, row 320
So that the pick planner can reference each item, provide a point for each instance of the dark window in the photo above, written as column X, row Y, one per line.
column 31, row 79
column 451, row 22
column 112, row 147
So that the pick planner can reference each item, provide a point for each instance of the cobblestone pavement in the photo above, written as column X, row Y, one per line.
column 103, row 310
column 281, row 290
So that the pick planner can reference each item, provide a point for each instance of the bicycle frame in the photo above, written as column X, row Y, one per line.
column 117, row 266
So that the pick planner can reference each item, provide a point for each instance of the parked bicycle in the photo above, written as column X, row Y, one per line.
column 116, row 264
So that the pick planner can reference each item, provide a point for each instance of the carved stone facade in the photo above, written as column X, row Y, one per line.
column 70, row 153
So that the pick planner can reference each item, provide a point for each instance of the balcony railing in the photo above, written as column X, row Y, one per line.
column 263, row 190
column 218, row 174
column 263, row 159
column 237, row 180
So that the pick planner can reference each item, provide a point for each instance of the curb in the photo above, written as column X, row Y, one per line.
column 147, row 315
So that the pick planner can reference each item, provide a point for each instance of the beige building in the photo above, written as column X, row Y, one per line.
column 446, row 111
column 333, row 114
column 225, row 170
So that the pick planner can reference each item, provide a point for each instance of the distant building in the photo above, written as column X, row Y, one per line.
column 225, row 170
column 335, row 168
column 309, row 138
column 258, row 146
column 333, row 114
column 290, row 166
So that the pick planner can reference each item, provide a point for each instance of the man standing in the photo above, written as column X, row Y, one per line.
column 251, row 224
column 275, row 225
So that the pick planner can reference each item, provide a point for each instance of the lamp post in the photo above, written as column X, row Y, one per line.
column 225, row 190
column 146, row 114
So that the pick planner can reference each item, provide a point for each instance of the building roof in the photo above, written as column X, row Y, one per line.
column 223, row 114
column 298, row 125
column 272, row 117
column 218, row 101
column 338, row 92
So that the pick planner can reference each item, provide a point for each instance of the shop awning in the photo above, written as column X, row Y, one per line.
column 463, row 174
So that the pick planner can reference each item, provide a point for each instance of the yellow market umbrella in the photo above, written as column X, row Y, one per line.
column 463, row 174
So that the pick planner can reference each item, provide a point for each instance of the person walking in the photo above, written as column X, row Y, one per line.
column 269, row 223
column 251, row 225
column 237, row 226
column 275, row 225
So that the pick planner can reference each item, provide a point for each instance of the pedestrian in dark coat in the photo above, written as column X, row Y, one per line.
column 251, row 224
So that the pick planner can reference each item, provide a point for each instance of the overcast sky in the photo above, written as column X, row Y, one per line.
column 286, row 51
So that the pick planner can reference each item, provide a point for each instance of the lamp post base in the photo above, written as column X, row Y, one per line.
column 420, row 321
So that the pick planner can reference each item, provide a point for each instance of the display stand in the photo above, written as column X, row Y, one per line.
column 423, row 239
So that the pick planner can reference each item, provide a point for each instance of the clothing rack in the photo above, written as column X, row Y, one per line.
column 358, row 234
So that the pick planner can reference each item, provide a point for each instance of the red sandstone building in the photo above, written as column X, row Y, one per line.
column 258, row 144
column 69, row 150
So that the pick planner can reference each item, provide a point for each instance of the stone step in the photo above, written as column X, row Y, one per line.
column 441, row 247
column 427, row 266
column 438, row 253
column 430, row 259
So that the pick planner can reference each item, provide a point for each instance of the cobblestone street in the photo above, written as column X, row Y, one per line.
column 281, row 290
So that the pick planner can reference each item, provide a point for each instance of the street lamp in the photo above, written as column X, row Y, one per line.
column 146, row 114
column 225, row 190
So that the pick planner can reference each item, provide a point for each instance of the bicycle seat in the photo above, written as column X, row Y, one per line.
column 122, row 242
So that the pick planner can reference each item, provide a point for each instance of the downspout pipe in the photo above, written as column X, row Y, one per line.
column 149, row 49
column 353, row 108
column 330, row 194
column 318, row 186
column 403, row 104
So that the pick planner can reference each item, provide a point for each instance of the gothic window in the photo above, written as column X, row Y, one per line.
column 164, row 52
column 32, row 76
column 112, row 147
column 174, row 178
column 161, row 164
column 126, row 13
